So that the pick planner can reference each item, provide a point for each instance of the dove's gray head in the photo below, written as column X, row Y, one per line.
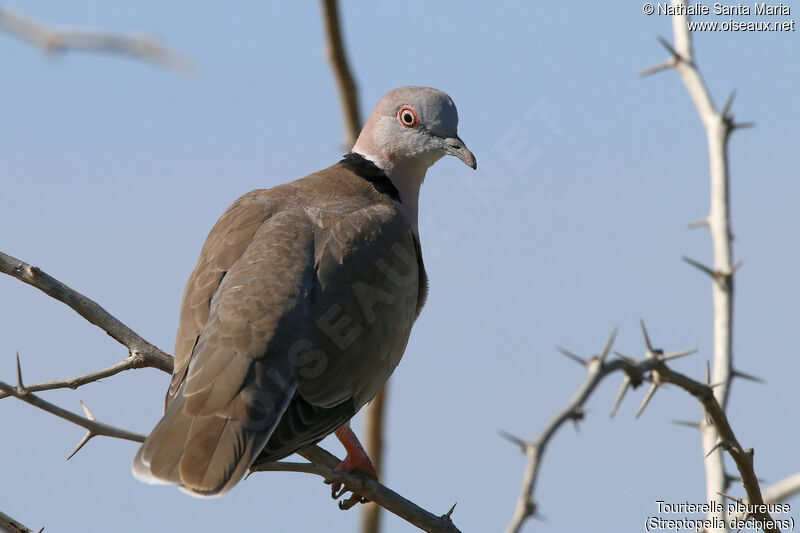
column 412, row 127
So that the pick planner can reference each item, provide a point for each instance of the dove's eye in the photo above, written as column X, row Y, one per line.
column 407, row 116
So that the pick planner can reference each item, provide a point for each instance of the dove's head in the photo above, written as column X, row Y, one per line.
column 412, row 128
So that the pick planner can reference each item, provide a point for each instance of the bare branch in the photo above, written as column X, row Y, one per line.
column 348, row 92
column 654, row 363
column 51, row 40
column 145, row 354
column 718, row 126
column 12, row 526
column 526, row 506
column 324, row 463
column 727, row 439
column 92, row 426
column 151, row 356
column 131, row 363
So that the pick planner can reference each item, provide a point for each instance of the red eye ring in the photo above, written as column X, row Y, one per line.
column 407, row 116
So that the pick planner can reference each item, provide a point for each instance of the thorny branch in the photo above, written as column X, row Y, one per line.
column 145, row 354
column 51, row 40
column 652, row 369
column 718, row 125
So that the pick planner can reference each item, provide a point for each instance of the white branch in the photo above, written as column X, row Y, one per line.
column 718, row 126
column 783, row 489
column 52, row 39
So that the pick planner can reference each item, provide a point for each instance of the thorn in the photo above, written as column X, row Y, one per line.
column 515, row 440
column 733, row 498
column 86, row 438
column 750, row 377
column 700, row 266
column 449, row 514
column 668, row 46
column 726, row 110
column 530, row 508
column 609, row 342
column 708, row 372
column 249, row 473
column 736, row 266
column 576, row 416
column 650, row 392
column 20, row 386
column 578, row 359
column 687, row 423
column 714, row 448
column 626, row 382
column 86, row 410
column 676, row 355
column 702, row 223
column 627, row 358
column 742, row 125
column 669, row 63
column 646, row 336
column 40, row 531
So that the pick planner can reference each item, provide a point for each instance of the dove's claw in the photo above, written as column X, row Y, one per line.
column 357, row 460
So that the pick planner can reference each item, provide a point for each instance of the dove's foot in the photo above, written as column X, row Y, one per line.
column 357, row 460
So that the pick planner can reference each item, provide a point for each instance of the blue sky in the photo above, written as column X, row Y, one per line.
column 114, row 171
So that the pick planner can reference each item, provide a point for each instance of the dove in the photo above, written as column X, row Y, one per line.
column 301, row 305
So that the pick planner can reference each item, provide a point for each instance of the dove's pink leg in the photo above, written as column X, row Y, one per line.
column 357, row 460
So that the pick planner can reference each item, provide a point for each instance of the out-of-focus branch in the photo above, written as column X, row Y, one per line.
column 12, row 526
column 52, row 39
column 144, row 353
column 718, row 126
column 783, row 490
column 348, row 92
column 374, row 426
column 652, row 368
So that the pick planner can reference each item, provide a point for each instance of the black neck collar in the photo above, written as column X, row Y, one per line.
column 366, row 169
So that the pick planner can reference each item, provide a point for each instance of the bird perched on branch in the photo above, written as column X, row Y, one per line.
column 301, row 305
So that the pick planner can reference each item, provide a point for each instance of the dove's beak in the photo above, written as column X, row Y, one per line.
column 456, row 147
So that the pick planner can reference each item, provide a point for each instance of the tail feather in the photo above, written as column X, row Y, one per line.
column 205, row 455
